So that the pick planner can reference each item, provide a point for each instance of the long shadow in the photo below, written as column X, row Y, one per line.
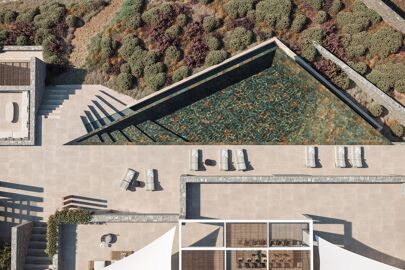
column 101, row 108
column 75, row 201
column 110, row 105
column 353, row 244
column 112, row 97
column 209, row 240
column 21, row 187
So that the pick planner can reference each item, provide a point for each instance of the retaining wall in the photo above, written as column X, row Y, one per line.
column 20, row 238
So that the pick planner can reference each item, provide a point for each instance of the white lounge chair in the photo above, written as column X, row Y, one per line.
column 357, row 158
column 150, row 180
column 310, row 156
column 98, row 265
column 194, row 160
column 224, row 159
column 240, row 160
column 129, row 176
column 340, row 156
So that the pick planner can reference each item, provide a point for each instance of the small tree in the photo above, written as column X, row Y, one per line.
column 180, row 73
column 124, row 81
column 215, row 57
column 321, row 17
column 397, row 129
column 240, row 38
column 375, row 109
column 298, row 23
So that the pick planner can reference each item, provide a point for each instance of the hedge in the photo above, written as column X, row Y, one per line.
column 180, row 73
column 59, row 218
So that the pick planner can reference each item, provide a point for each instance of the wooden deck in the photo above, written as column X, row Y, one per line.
column 15, row 73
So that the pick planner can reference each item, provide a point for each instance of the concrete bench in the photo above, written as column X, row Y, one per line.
column 12, row 112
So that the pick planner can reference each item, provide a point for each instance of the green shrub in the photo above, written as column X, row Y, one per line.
column 385, row 76
column 210, row 23
column 309, row 53
column 22, row 41
column 174, row 30
column 307, row 36
column 73, row 21
column 298, row 23
column 238, row 8
column 28, row 15
column 151, row 16
column 321, row 17
column 41, row 35
column 172, row 55
column 136, row 62
column 240, row 38
column 400, row 86
column 213, row 43
column 182, row 20
column 215, row 57
column 180, row 73
column 133, row 22
column 271, row 11
column 125, row 68
column 335, row 7
column 360, row 9
column 157, row 81
column 397, row 129
column 154, row 69
column 342, row 81
column 375, row 109
column 5, row 256
column 10, row 16
column 124, row 81
column 63, row 217
column 137, row 5
column 385, row 42
column 150, row 58
column 355, row 51
column 316, row 4
column 358, row 39
column 283, row 23
column 129, row 46
column 360, row 67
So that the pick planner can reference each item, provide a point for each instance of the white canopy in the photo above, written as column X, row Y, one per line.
column 156, row 255
column 333, row 257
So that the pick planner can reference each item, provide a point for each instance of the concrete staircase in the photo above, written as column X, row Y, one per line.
column 36, row 258
column 53, row 99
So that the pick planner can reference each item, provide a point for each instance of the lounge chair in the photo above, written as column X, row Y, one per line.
column 340, row 156
column 240, row 160
column 194, row 160
column 357, row 158
column 224, row 159
column 126, row 182
column 310, row 156
column 150, row 180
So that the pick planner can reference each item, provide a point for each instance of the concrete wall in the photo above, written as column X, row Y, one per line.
column 20, row 53
column 387, row 14
column 20, row 238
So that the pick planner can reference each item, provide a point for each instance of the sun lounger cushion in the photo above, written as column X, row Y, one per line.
column 340, row 157
column 194, row 157
column 310, row 157
column 240, row 158
column 129, row 176
column 98, row 265
column 224, row 159
column 357, row 158
column 150, row 180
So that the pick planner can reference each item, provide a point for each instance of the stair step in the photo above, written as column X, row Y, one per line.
column 36, row 252
column 36, row 245
column 45, row 112
column 37, row 266
column 38, row 260
column 52, row 116
column 38, row 224
column 53, row 101
column 38, row 237
column 55, row 96
column 45, row 107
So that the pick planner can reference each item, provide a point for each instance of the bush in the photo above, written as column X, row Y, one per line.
column 22, row 41
column 125, row 68
column 180, row 73
column 341, row 81
column 210, row 23
column 361, row 10
column 173, row 31
column 213, row 43
column 73, row 21
column 41, row 35
column 151, row 16
column 298, row 23
column 137, row 5
column 154, row 69
column 215, row 57
column 238, row 8
column 400, row 86
column 28, row 15
column 360, row 67
column 5, row 256
column 150, row 58
column 134, row 22
column 385, row 76
column 156, row 81
column 271, row 11
column 385, row 42
column 335, row 7
column 355, row 51
column 240, row 38
column 172, row 55
column 10, row 16
column 375, row 109
column 309, row 53
column 321, row 17
column 182, row 20
column 124, row 81
column 397, row 129
column 129, row 46
column 283, row 23
column 316, row 4
column 63, row 217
